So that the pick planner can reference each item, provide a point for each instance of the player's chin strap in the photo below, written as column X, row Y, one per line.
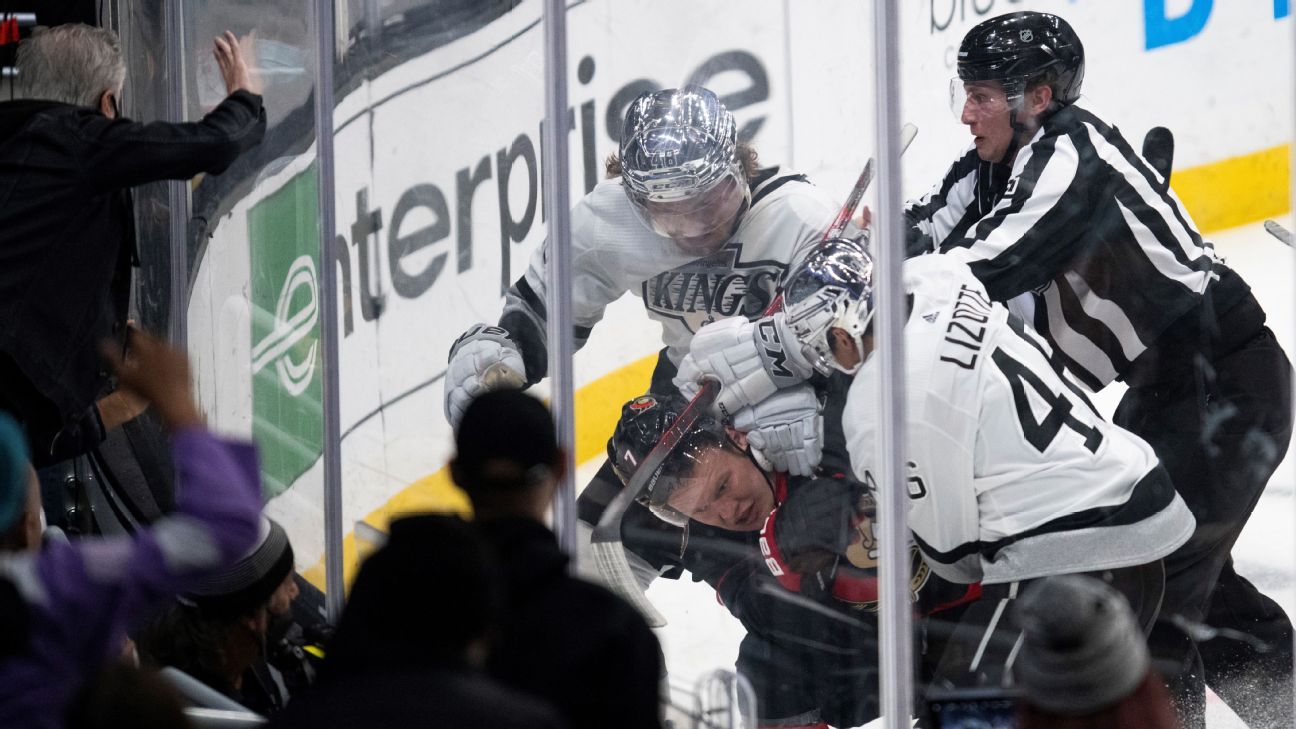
column 1019, row 129
column 1015, row 145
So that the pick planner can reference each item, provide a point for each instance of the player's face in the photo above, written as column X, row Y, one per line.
column 987, row 114
column 725, row 490
column 844, row 349
column 282, row 599
column 700, row 224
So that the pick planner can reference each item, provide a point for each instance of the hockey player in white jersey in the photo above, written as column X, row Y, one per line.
column 691, row 225
column 1013, row 476
column 1052, row 207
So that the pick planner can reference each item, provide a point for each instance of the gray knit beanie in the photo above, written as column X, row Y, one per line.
column 1082, row 651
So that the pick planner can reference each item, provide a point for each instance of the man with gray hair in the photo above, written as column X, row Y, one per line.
column 67, row 238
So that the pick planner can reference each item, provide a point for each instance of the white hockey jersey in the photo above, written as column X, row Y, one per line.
column 613, row 252
column 1012, row 474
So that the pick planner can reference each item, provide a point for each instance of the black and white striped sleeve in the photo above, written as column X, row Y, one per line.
column 1038, row 223
column 932, row 218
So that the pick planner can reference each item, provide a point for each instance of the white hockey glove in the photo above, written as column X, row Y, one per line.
column 482, row 359
column 751, row 360
column 786, row 429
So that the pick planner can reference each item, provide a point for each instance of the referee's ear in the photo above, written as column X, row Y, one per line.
column 1038, row 100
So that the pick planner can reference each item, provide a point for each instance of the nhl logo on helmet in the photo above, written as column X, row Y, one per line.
column 1023, row 48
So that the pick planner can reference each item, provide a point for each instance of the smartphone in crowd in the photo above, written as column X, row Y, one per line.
column 977, row 708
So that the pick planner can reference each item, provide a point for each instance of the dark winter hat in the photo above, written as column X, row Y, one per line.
column 249, row 582
column 423, row 597
column 13, row 471
column 509, row 430
column 1083, row 651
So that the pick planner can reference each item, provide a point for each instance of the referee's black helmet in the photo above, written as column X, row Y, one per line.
column 1024, row 49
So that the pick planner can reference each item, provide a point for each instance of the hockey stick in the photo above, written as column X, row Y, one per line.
column 1273, row 228
column 609, row 553
column 605, row 542
column 1158, row 150
column 907, row 134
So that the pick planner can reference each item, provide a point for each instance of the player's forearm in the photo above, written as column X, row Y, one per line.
column 525, row 318
column 529, row 335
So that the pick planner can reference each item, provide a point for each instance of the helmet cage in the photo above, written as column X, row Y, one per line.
column 832, row 288
column 813, row 319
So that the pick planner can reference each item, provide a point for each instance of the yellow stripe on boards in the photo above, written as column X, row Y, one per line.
column 1238, row 190
column 598, row 405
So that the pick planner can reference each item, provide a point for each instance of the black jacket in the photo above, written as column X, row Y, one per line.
column 435, row 698
column 571, row 642
column 67, row 232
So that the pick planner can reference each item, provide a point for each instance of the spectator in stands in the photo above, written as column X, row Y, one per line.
column 413, row 638
column 67, row 162
column 65, row 608
column 216, row 631
column 1084, row 661
column 568, row 641
column 296, row 638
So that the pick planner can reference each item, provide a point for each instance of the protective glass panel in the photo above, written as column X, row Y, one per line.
column 1116, row 397
column 148, row 96
column 1141, row 378
column 253, row 265
column 742, row 648
column 438, row 109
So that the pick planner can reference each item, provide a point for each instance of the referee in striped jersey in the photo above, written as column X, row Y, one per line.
column 1057, row 214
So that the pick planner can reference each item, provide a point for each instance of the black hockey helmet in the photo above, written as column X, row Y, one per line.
column 643, row 422
column 1021, row 49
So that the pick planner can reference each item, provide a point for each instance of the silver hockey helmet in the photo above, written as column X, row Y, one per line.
column 680, row 166
column 831, row 288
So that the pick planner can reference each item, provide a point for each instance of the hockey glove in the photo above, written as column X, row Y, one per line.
column 750, row 359
column 786, row 429
column 482, row 359
column 808, row 533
